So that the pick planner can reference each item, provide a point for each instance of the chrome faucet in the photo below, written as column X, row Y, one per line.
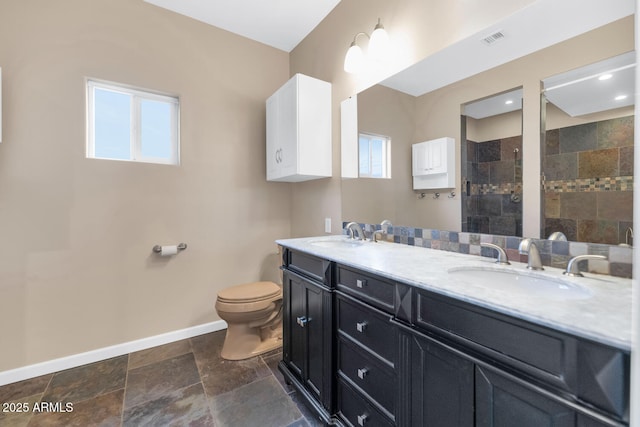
column 502, row 255
column 627, row 234
column 572, row 266
column 528, row 247
column 384, row 229
column 558, row 235
column 354, row 226
column 385, row 224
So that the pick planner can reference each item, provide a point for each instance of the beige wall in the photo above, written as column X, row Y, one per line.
column 383, row 111
column 495, row 127
column 76, row 269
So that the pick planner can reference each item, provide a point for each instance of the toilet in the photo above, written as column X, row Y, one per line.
column 253, row 312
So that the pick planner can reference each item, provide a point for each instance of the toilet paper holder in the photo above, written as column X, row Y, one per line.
column 181, row 247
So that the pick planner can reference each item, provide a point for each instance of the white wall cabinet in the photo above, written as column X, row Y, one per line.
column 434, row 164
column 299, row 130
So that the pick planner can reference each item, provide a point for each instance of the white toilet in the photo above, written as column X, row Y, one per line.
column 253, row 312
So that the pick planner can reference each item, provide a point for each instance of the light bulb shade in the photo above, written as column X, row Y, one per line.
column 354, row 60
column 379, row 44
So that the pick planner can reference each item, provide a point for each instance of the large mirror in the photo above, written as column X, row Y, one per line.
column 411, row 108
column 588, row 152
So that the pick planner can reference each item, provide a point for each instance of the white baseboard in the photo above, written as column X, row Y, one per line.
column 75, row 360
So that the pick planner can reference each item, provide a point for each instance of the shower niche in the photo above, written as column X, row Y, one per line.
column 491, row 158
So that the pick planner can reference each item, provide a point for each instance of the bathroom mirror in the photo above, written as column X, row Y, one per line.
column 587, row 160
column 429, row 113
column 491, row 164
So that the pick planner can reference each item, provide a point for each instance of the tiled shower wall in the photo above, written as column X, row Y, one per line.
column 588, row 186
column 553, row 253
column 493, row 197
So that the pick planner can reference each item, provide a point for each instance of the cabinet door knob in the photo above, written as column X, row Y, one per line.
column 362, row 419
column 361, row 283
column 302, row 321
column 361, row 326
column 362, row 372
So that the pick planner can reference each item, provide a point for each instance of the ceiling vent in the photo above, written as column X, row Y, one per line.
column 492, row 38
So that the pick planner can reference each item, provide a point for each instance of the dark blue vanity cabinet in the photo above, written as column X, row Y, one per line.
column 308, row 331
column 365, row 350
column 526, row 371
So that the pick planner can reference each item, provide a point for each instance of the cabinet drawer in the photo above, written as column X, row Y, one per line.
column 371, row 289
column 511, row 341
column 369, row 327
column 356, row 410
column 309, row 265
column 377, row 380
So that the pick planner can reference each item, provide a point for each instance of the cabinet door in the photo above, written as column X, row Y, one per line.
column 282, row 131
column 441, row 386
column 305, row 333
column 438, row 156
column 295, row 336
column 501, row 402
column 314, row 297
column 288, row 128
column 273, row 149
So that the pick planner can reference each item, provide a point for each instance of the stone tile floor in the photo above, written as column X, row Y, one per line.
column 185, row 383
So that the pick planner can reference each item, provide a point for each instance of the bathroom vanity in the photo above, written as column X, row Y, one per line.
column 383, row 334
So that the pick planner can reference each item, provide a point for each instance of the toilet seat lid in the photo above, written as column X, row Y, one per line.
column 249, row 292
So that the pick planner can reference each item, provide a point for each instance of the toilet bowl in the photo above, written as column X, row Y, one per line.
column 253, row 312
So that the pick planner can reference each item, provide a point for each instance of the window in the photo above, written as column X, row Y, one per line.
column 374, row 156
column 131, row 124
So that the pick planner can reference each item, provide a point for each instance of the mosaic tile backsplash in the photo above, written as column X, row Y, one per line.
column 553, row 253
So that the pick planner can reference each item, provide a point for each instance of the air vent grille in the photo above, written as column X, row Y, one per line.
column 492, row 38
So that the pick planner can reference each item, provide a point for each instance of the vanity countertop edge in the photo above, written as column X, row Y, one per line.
column 604, row 317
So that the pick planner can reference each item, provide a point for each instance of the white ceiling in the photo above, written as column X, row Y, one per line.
column 581, row 91
column 498, row 104
column 535, row 27
column 278, row 23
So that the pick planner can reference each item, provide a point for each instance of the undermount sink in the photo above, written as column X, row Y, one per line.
column 337, row 243
column 523, row 283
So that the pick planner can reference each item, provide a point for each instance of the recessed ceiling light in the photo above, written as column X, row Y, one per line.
column 508, row 102
column 620, row 97
column 605, row 77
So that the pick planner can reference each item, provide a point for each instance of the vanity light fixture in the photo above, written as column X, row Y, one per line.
column 355, row 61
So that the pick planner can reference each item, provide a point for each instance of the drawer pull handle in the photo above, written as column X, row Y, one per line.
column 361, row 326
column 302, row 321
column 362, row 372
column 361, row 283
column 362, row 419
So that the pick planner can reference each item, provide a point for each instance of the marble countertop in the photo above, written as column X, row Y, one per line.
column 601, row 313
